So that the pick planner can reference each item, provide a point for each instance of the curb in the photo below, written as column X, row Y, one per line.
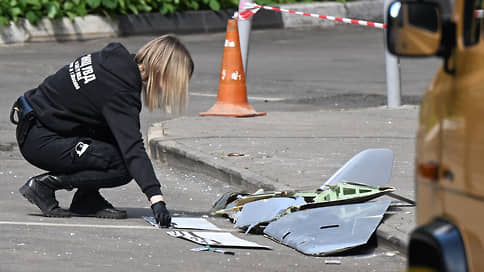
column 384, row 234
column 91, row 26
column 174, row 154
column 190, row 22
column 171, row 153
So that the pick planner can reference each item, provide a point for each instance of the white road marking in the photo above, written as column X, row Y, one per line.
column 255, row 98
column 43, row 224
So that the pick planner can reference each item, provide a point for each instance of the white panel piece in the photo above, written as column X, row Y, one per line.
column 371, row 167
column 264, row 211
column 192, row 223
column 215, row 239
column 185, row 223
column 328, row 230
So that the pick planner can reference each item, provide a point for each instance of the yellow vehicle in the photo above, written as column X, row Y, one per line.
column 450, row 140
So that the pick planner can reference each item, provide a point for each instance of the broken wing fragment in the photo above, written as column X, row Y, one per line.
column 343, row 193
column 328, row 230
column 371, row 167
column 264, row 211
column 336, row 194
column 232, row 202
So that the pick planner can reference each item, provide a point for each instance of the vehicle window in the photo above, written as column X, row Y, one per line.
column 472, row 22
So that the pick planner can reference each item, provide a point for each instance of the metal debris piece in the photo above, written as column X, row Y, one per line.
column 218, row 239
column 345, row 193
column 243, row 199
column 371, row 166
column 264, row 211
column 208, row 248
column 232, row 202
column 233, row 199
column 193, row 223
column 337, row 194
column 185, row 223
column 328, row 230
column 198, row 249
column 224, row 200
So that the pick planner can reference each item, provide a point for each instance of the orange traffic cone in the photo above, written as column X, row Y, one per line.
column 232, row 92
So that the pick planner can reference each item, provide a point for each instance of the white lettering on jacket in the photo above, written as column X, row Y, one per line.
column 81, row 71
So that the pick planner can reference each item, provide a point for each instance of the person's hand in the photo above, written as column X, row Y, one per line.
column 161, row 214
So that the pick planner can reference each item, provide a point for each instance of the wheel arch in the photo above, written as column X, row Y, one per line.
column 437, row 246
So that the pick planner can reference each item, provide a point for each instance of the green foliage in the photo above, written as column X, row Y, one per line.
column 35, row 10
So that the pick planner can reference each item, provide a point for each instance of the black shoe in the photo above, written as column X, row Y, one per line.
column 38, row 191
column 90, row 203
column 111, row 213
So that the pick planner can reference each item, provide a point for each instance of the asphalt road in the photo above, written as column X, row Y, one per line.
column 88, row 244
column 288, row 70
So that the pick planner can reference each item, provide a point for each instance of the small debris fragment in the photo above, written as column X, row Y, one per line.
column 259, row 191
column 332, row 262
column 388, row 254
column 235, row 155
column 391, row 253
column 211, row 249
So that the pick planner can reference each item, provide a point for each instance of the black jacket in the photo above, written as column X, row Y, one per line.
column 99, row 95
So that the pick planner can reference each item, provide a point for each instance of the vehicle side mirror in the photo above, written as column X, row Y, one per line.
column 413, row 29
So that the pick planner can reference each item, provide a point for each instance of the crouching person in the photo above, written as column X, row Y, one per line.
column 82, row 126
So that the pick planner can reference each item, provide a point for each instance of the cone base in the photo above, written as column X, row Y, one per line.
column 228, row 109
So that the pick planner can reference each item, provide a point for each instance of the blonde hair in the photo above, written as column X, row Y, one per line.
column 166, row 69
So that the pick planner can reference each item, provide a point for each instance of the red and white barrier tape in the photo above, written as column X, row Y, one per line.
column 246, row 13
column 251, row 9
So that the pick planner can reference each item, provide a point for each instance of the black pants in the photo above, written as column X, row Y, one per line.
column 83, row 162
